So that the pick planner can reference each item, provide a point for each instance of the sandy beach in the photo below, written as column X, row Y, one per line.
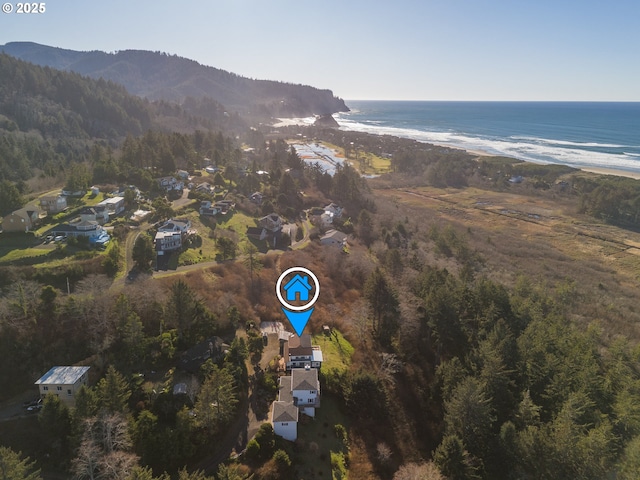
column 284, row 122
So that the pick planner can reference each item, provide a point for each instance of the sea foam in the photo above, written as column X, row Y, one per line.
column 523, row 147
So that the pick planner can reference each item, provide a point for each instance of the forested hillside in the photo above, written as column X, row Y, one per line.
column 158, row 76
column 49, row 119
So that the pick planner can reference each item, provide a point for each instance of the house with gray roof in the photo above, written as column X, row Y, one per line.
column 299, row 392
column 285, row 420
column 64, row 382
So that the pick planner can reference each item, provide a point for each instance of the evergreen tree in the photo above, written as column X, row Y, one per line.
column 14, row 467
column 113, row 391
column 217, row 400
column 383, row 303
column 143, row 252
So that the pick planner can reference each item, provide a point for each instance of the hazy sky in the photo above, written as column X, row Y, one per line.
column 402, row 49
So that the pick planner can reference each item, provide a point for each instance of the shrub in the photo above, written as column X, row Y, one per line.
column 253, row 449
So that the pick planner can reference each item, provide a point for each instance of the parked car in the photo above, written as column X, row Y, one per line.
column 34, row 408
column 33, row 402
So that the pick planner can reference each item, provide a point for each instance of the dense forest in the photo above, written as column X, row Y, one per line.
column 49, row 118
column 158, row 76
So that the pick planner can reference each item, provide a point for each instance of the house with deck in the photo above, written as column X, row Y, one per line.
column 114, row 205
column 167, row 242
column 298, row 352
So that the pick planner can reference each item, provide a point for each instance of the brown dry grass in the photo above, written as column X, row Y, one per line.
column 540, row 237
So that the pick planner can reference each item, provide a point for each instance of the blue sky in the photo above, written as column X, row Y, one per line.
column 403, row 49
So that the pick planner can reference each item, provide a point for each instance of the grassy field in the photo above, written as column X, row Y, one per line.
column 539, row 236
column 336, row 350
column 367, row 163
column 19, row 246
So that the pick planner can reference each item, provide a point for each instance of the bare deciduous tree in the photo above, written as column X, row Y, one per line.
column 104, row 452
column 418, row 471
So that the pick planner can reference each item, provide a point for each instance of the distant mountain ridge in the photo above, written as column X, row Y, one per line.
column 158, row 76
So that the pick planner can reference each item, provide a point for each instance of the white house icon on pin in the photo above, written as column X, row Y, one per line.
column 298, row 288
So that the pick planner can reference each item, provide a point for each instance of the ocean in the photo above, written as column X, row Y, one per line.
column 579, row 134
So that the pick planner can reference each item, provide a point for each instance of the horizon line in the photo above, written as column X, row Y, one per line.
column 484, row 101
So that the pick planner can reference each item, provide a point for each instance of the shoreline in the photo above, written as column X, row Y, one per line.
column 598, row 170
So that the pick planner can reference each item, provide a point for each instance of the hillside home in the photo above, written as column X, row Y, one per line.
column 305, row 389
column 225, row 206
column 53, row 204
column 183, row 174
column 167, row 241
column 212, row 348
column 170, row 184
column 299, row 353
column 90, row 229
column 181, row 225
column 298, row 392
column 334, row 210
column 114, row 205
column 206, row 188
column 98, row 213
column 23, row 220
column 206, row 208
column 257, row 198
column 272, row 223
column 334, row 238
column 64, row 382
column 330, row 213
column 284, row 418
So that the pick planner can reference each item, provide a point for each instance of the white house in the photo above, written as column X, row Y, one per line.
column 298, row 392
column 53, row 204
column 167, row 241
column 85, row 228
column 284, row 418
column 63, row 382
column 299, row 353
column 115, row 205
column 334, row 238
column 181, row 225
column 305, row 389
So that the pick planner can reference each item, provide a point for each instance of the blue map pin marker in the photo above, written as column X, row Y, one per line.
column 298, row 288
column 298, row 320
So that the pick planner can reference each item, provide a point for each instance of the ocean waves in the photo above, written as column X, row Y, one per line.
column 594, row 152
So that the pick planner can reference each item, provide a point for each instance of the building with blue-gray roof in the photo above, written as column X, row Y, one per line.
column 63, row 382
